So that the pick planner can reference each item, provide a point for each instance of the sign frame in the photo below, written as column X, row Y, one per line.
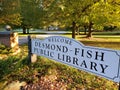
column 69, row 42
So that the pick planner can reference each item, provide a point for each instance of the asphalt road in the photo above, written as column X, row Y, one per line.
column 24, row 39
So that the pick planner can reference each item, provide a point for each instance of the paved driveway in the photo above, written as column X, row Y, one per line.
column 22, row 40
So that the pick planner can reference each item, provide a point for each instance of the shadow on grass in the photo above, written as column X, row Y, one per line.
column 9, row 66
column 14, row 68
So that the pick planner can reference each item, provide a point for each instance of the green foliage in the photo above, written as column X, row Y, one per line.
column 31, row 13
column 104, row 13
column 84, row 12
column 10, row 12
column 14, row 69
column 4, row 49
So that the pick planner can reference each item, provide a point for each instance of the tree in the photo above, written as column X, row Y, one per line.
column 71, row 12
column 31, row 13
column 101, row 14
column 51, row 12
column 9, row 12
column 93, row 14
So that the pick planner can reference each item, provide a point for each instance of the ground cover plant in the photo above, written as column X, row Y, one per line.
column 51, row 75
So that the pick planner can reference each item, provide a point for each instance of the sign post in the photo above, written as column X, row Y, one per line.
column 29, row 49
column 31, row 56
column 99, row 61
column 119, row 86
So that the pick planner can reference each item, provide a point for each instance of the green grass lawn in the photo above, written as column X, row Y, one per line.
column 98, row 40
column 14, row 68
column 105, row 41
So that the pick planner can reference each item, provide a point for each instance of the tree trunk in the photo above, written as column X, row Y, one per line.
column 73, row 29
column 78, row 30
column 89, row 35
column 85, row 27
column 24, row 30
column 27, row 30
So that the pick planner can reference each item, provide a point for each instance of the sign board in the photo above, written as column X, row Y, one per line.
column 102, row 62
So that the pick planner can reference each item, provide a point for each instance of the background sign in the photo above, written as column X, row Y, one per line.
column 102, row 62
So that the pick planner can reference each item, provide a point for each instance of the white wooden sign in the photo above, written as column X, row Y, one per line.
column 99, row 61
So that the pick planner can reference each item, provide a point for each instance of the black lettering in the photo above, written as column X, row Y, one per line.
column 103, row 68
column 41, row 51
column 49, row 39
column 89, row 54
column 45, row 53
column 66, row 41
column 93, row 66
column 82, row 53
column 52, row 47
column 47, row 46
column 101, row 55
column 75, row 60
column 43, row 45
column 36, row 50
column 68, row 59
column 36, row 43
column 76, row 51
column 58, row 48
column 84, row 64
column 61, row 40
column 61, row 57
column 65, row 49
column 51, row 54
